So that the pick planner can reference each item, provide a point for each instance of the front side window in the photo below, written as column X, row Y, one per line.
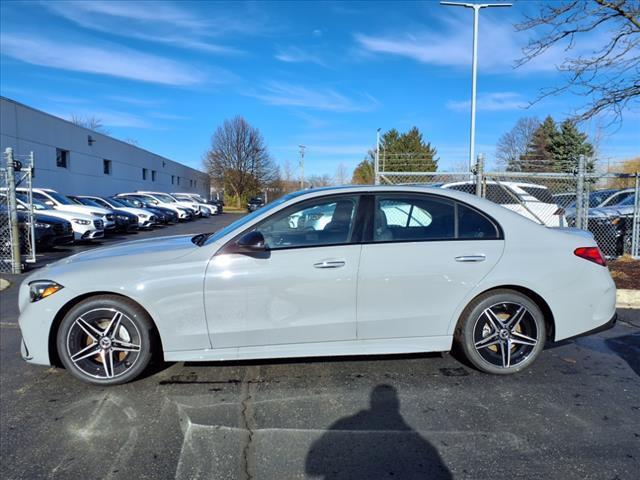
column 62, row 158
column 413, row 218
column 325, row 221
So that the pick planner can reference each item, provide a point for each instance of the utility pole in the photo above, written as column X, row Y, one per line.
column 302, row 147
column 376, row 169
column 474, row 66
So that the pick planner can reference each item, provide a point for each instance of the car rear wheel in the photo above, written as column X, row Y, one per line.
column 501, row 332
column 105, row 340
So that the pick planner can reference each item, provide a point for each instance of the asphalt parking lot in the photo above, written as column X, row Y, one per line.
column 574, row 414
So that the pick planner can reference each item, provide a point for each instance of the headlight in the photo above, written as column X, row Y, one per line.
column 123, row 217
column 97, row 214
column 142, row 216
column 40, row 289
column 109, row 216
column 79, row 221
column 41, row 225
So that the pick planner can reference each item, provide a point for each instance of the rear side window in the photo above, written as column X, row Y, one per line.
column 540, row 193
column 407, row 218
column 474, row 225
column 413, row 218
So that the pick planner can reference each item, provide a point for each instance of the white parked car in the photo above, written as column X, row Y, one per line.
column 168, row 198
column 60, row 202
column 528, row 199
column 182, row 212
column 85, row 227
column 394, row 270
column 202, row 204
column 145, row 218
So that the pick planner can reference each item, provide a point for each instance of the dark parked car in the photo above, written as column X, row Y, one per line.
column 48, row 231
column 254, row 204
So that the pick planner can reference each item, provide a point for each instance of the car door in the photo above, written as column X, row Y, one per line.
column 302, row 289
column 423, row 257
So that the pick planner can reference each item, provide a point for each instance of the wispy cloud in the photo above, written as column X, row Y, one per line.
column 449, row 44
column 287, row 94
column 155, row 22
column 491, row 102
column 298, row 55
column 107, row 59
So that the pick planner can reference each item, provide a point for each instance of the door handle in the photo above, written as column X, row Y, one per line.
column 330, row 264
column 471, row 258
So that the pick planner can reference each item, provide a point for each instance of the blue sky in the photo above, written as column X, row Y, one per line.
column 322, row 74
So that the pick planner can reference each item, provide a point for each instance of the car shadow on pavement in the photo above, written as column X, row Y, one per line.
column 627, row 347
column 375, row 443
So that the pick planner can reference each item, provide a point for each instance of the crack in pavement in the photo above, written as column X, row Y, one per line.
column 248, row 389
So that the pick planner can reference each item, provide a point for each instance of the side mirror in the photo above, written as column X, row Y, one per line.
column 252, row 241
column 50, row 203
column 19, row 206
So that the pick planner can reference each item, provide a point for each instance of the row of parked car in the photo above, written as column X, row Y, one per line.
column 64, row 219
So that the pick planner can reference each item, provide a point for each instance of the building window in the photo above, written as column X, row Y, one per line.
column 153, row 175
column 173, row 179
column 62, row 158
column 144, row 173
column 106, row 167
column 194, row 183
column 178, row 180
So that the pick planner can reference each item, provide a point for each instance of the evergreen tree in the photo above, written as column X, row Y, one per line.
column 363, row 173
column 566, row 146
column 406, row 152
column 538, row 157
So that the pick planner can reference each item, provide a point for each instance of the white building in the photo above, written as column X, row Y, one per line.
column 75, row 160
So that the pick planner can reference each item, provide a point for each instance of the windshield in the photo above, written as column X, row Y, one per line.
column 596, row 198
column 59, row 198
column 37, row 204
column 116, row 202
column 164, row 198
column 248, row 218
column 89, row 202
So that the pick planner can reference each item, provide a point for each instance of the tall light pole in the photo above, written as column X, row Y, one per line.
column 474, row 66
column 302, row 147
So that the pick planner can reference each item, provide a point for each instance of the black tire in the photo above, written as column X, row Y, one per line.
column 105, row 340
column 501, row 332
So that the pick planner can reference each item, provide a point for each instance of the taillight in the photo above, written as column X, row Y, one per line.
column 592, row 254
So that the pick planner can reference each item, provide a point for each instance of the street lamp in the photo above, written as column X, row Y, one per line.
column 376, row 173
column 474, row 65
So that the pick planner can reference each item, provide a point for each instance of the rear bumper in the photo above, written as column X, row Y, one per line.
column 605, row 326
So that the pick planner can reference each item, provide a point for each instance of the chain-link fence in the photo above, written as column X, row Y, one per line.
column 604, row 204
column 17, row 219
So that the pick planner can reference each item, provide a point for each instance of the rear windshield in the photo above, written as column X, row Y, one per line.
column 540, row 193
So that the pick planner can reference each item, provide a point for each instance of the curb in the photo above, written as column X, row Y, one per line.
column 627, row 298
column 4, row 284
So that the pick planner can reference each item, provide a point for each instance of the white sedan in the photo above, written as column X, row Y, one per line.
column 391, row 270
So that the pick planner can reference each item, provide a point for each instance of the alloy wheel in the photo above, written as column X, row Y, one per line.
column 104, row 343
column 506, row 334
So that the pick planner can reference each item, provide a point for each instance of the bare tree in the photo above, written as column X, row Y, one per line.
column 609, row 76
column 514, row 144
column 131, row 141
column 317, row 181
column 341, row 177
column 91, row 122
column 238, row 160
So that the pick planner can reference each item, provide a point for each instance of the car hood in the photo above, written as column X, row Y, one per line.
column 152, row 250
column 83, row 209
column 65, row 215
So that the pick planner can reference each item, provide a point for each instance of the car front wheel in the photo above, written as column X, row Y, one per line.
column 501, row 332
column 105, row 340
